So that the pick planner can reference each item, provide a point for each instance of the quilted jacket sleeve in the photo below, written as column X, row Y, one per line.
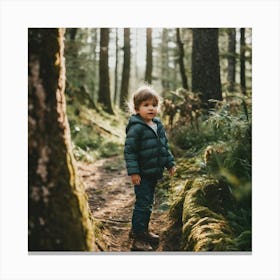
column 131, row 150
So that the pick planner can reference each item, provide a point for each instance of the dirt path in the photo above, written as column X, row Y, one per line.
column 111, row 199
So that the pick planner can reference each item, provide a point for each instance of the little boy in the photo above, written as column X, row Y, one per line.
column 146, row 154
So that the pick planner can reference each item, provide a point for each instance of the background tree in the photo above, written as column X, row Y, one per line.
column 104, row 95
column 168, row 74
column 231, row 59
column 149, row 56
column 164, row 61
column 116, row 68
column 205, row 64
column 93, row 81
column 242, row 61
column 81, row 64
column 58, row 213
column 126, row 69
column 181, row 59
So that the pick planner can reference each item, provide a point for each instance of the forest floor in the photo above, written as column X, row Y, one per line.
column 111, row 200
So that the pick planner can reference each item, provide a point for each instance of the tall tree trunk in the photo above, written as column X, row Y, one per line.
column 205, row 64
column 231, row 59
column 104, row 95
column 149, row 56
column 73, row 33
column 95, row 65
column 242, row 61
column 58, row 214
column 116, row 67
column 136, row 55
column 181, row 59
column 164, row 61
column 126, row 69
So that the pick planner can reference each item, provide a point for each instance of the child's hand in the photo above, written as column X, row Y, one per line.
column 172, row 170
column 136, row 179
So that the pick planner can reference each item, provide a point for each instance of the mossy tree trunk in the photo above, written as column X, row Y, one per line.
column 126, row 69
column 58, row 214
column 205, row 64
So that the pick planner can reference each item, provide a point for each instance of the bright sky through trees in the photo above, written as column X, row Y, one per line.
column 138, row 44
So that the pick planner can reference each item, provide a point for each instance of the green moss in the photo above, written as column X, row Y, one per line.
column 204, row 228
column 95, row 134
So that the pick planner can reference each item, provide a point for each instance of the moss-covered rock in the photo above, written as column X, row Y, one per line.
column 204, row 226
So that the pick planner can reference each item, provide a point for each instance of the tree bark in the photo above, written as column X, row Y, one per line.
column 58, row 214
column 242, row 61
column 104, row 95
column 205, row 65
column 126, row 69
column 116, row 67
column 95, row 65
column 181, row 59
column 164, row 62
column 149, row 56
column 73, row 33
column 231, row 59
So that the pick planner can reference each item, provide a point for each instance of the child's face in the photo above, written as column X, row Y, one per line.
column 148, row 109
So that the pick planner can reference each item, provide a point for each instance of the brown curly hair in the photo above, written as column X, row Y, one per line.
column 143, row 93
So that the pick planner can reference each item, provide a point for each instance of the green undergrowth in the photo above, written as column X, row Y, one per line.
column 209, row 198
column 95, row 134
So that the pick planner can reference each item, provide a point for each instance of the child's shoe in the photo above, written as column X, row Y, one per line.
column 141, row 245
column 152, row 238
column 140, row 242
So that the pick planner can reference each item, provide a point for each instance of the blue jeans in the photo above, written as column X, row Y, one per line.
column 144, row 194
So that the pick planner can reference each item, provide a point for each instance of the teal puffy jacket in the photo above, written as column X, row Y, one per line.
column 146, row 152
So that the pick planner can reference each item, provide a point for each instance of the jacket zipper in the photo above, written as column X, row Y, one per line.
column 158, row 141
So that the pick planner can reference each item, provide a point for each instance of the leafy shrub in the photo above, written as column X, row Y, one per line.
column 187, row 137
column 94, row 134
column 85, row 137
column 109, row 149
column 80, row 154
